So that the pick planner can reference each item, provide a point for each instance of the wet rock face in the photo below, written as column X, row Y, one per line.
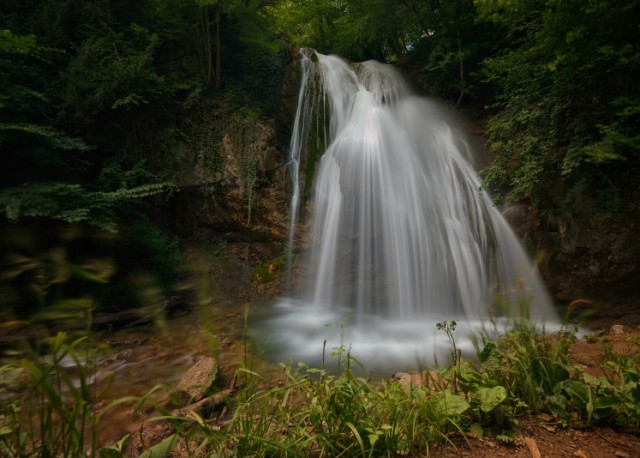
column 232, row 174
column 241, row 194
column 233, row 203
column 596, row 256
column 585, row 256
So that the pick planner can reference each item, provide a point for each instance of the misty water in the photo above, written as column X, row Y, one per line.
column 402, row 236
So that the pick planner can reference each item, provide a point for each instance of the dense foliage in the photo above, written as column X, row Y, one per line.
column 94, row 99
column 568, row 100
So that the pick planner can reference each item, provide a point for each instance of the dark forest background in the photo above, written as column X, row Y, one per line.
column 97, row 98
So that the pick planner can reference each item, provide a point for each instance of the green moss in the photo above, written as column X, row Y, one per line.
column 268, row 271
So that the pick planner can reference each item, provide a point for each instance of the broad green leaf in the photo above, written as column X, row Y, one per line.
column 108, row 452
column 491, row 397
column 602, row 403
column 451, row 404
column 577, row 390
column 557, row 405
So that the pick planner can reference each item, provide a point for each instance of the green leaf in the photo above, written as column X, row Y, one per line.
column 603, row 403
column 373, row 438
column 357, row 436
column 577, row 390
column 557, row 405
column 451, row 404
column 491, row 397
column 161, row 449
column 46, row 134
column 476, row 428
column 117, row 449
column 490, row 357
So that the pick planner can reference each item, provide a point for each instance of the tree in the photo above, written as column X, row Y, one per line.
column 46, row 162
column 568, row 97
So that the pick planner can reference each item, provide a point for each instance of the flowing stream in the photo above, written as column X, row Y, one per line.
column 402, row 234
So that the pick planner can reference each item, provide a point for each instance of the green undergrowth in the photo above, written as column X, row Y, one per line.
column 312, row 412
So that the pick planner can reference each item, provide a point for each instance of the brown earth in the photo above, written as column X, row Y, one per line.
column 550, row 441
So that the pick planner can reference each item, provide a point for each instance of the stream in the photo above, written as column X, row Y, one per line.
column 134, row 362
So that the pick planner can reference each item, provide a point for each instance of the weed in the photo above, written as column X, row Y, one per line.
column 591, row 338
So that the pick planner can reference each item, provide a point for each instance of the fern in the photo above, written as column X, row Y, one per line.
column 47, row 134
column 72, row 203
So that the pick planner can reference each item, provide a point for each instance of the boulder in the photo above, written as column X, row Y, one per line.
column 197, row 382
column 617, row 330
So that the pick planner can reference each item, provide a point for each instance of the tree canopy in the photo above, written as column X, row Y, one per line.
column 557, row 79
column 93, row 98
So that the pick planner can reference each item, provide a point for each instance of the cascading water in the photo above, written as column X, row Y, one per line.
column 402, row 234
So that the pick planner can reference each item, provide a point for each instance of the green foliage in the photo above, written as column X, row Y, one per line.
column 567, row 103
column 246, row 146
column 112, row 88
column 161, row 449
column 155, row 250
column 48, row 135
column 315, row 412
column 71, row 203
column 115, row 71
column 536, row 364
column 28, row 141
column 341, row 415
column 116, row 450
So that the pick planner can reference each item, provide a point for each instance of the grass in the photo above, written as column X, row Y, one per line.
column 316, row 413
column 56, row 417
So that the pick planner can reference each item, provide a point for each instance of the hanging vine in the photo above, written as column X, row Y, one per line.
column 245, row 146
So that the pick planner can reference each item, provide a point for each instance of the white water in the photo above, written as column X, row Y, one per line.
column 403, row 237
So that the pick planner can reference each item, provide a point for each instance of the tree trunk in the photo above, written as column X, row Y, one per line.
column 461, row 96
column 208, row 45
column 218, row 74
column 323, row 38
column 460, row 57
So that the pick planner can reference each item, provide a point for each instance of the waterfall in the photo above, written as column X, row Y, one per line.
column 298, row 136
column 402, row 234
